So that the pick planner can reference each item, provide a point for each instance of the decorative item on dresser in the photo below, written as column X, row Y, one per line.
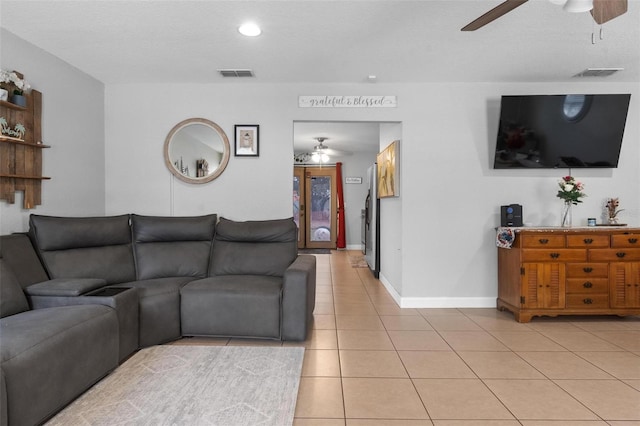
column 613, row 210
column 582, row 271
column 570, row 192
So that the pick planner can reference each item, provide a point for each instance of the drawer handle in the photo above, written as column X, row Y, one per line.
column 587, row 301
column 554, row 255
column 588, row 240
column 633, row 240
column 588, row 269
column 588, row 284
column 621, row 254
column 543, row 241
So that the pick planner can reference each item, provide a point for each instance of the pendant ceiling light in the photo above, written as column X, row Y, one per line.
column 578, row 6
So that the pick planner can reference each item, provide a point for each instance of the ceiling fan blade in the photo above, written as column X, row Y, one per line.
column 493, row 14
column 332, row 152
column 606, row 10
column 337, row 152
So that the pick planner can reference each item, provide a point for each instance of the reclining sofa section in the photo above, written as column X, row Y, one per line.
column 193, row 276
column 48, row 356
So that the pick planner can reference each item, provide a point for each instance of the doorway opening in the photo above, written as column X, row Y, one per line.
column 354, row 144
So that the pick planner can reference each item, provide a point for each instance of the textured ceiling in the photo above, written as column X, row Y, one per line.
column 330, row 41
column 345, row 137
column 324, row 41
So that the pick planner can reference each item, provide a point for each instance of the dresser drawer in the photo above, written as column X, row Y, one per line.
column 586, row 240
column 588, row 286
column 625, row 240
column 542, row 241
column 587, row 301
column 554, row 255
column 587, row 270
column 614, row 255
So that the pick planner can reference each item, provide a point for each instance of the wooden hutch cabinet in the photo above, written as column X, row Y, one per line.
column 570, row 271
column 21, row 158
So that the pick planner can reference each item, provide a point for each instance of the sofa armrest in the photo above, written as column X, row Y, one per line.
column 65, row 287
column 298, row 297
column 124, row 302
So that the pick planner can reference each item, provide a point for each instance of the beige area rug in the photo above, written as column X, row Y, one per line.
column 358, row 261
column 194, row 385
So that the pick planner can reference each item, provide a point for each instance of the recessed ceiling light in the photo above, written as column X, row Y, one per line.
column 250, row 29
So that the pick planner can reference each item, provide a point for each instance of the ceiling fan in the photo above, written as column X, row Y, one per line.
column 321, row 148
column 602, row 11
column 321, row 153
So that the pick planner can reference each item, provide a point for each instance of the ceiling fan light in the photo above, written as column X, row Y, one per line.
column 324, row 158
column 315, row 157
column 578, row 6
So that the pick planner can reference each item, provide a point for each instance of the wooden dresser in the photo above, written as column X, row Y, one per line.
column 570, row 271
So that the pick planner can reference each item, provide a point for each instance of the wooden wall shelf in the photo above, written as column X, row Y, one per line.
column 21, row 159
column 4, row 139
column 24, row 177
column 12, row 106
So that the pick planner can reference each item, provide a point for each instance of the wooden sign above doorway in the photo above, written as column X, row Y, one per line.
column 346, row 101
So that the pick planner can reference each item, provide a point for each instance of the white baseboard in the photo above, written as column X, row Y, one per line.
column 354, row 247
column 437, row 302
column 448, row 302
column 392, row 291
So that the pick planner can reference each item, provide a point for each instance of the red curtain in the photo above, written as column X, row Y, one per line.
column 341, row 242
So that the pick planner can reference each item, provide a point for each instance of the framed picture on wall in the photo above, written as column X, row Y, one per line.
column 388, row 185
column 247, row 140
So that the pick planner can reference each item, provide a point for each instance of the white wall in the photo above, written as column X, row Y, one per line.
column 450, row 195
column 72, row 123
column 355, row 194
column 391, row 219
column 443, row 222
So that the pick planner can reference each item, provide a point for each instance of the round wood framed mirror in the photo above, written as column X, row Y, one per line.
column 196, row 150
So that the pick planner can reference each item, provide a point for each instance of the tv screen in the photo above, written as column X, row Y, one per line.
column 551, row 131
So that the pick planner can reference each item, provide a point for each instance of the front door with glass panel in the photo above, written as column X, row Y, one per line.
column 314, row 206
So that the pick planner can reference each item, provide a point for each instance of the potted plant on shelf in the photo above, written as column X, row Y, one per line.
column 570, row 192
column 14, row 82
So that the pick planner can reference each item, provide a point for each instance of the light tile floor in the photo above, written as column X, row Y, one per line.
column 370, row 363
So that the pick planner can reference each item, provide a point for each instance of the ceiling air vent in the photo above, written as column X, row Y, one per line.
column 598, row 72
column 236, row 73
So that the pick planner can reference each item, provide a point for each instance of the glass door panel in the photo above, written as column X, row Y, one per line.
column 299, row 204
column 320, row 224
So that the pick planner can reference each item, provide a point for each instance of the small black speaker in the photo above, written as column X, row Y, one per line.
column 511, row 215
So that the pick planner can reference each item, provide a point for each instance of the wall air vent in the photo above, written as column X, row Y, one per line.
column 598, row 72
column 236, row 73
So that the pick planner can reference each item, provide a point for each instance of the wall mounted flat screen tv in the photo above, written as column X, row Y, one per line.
column 561, row 131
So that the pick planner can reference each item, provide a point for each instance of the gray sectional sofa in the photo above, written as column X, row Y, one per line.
column 80, row 295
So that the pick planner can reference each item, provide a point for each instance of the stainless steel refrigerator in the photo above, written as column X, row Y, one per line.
column 372, row 223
